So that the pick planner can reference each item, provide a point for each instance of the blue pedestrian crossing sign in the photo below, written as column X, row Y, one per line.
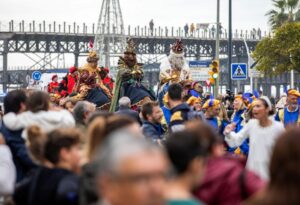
column 36, row 75
column 239, row 71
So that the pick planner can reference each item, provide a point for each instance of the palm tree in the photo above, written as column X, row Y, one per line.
column 285, row 11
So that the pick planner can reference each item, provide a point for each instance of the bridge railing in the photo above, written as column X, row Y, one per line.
column 139, row 31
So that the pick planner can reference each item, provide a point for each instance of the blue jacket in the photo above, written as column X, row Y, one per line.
column 167, row 114
column 238, row 118
column 179, row 117
column 16, row 144
column 152, row 131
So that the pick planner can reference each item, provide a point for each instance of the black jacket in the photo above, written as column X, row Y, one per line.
column 16, row 144
column 47, row 187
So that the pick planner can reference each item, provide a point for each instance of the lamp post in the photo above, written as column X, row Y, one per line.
column 216, row 87
column 230, row 45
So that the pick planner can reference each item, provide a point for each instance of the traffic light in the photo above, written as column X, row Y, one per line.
column 214, row 72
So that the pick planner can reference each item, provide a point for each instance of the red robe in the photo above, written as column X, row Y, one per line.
column 71, row 83
column 108, row 82
column 53, row 87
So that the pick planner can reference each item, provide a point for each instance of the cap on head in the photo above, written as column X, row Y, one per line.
column 54, row 76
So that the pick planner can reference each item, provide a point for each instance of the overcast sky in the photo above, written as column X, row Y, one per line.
column 247, row 14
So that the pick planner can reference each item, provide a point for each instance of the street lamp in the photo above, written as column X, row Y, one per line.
column 229, row 44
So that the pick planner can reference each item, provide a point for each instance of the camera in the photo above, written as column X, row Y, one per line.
column 229, row 95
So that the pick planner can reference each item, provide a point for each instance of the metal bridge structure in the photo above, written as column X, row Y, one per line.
column 47, row 39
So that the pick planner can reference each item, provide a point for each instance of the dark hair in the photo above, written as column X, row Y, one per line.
column 12, row 101
column 271, row 112
column 204, row 133
column 175, row 91
column 284, row 182
column 38, row 101
column 147, row 108
column 101, row 127
column 59, row 139
column 97, row 114
column 182, row 148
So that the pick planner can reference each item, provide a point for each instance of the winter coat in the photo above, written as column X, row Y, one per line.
column 227, row 182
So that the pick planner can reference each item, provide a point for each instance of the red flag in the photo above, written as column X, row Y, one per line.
column 91, row 44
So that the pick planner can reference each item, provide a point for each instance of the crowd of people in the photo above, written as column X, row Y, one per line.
column 53, row 154
column 92, row 145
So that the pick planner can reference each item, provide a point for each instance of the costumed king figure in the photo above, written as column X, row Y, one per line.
column 89, row 85
column 129, row 80
column 173, row 69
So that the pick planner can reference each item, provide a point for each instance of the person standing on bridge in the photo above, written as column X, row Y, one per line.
column 151, row 26
column 186, row 30
column 192, row 29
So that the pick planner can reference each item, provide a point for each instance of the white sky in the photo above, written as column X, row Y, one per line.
column 247, row 14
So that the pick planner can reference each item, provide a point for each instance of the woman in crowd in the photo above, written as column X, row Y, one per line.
column 99, row 129
column 39, row 113
column 223, row 171
column 284, row 182
column 262, row 133
column 238, row 117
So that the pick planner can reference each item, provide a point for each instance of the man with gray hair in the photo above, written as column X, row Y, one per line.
column 132, row 174
column 125, row 109
column 81, row 112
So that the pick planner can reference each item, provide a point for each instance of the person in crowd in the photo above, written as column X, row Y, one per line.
column 39, row 113
column 53, row 86
column 69, row 105
column 187, row 154
column 81, row 112
column 181, row 112
column 133, row 174
column 262, row 133
column 238, row 117
column 195, row 103
column 152, row 116
column 35, row 143
column 281, row 102
column 290, row 115
column 167, row 112
column 125, row 109
column 72, row 79
column 15, row 102
column 58, row 185
column 283, row 187
column 222, row 171
column 196, row 90
column 99, row 129
column 106, row 78
column 8, row 170
column 212, row 109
